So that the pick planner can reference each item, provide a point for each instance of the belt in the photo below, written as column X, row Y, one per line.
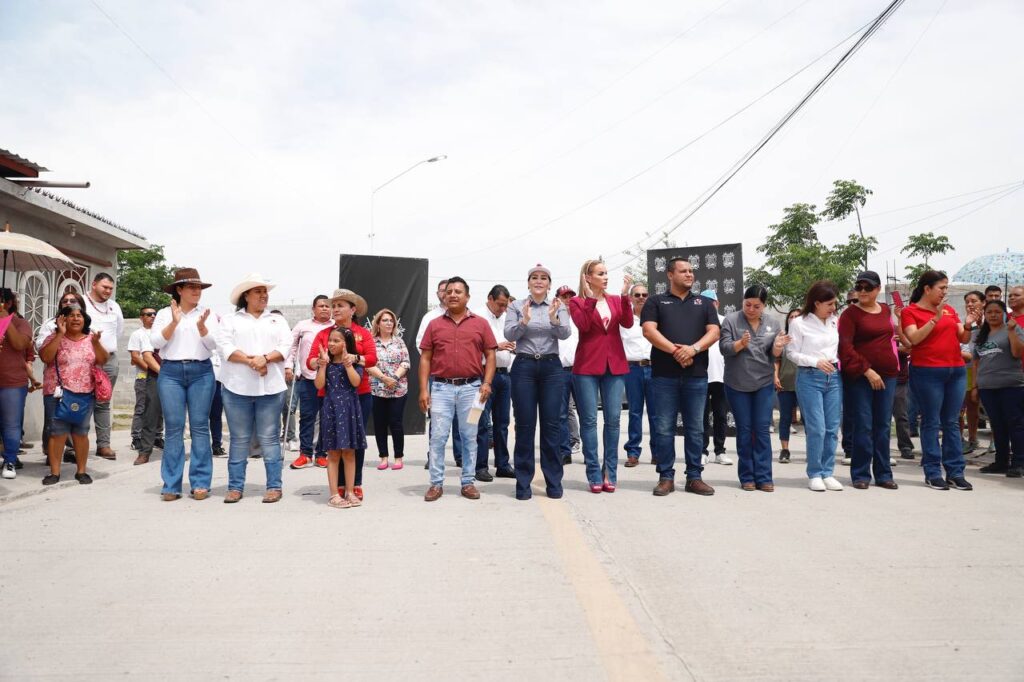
column 501, row 370
column 640, row 363
column 461, row 381
column 537, row 356
column 184, row 361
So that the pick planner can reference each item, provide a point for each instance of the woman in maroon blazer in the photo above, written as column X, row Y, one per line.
column 600, row 365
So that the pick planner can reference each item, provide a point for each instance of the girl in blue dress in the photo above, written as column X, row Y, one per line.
column 341, row 419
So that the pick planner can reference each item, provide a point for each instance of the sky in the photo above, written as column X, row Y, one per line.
column 250, row 136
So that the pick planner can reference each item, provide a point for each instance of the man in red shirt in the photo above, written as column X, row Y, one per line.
column 450, row 356
column 345, row 306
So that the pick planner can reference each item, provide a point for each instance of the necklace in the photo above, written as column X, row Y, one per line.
column 96, row 305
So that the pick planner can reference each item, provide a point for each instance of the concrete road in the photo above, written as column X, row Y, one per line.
column 106, row 580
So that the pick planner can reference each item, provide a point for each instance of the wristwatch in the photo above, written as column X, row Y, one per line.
column 697, row 348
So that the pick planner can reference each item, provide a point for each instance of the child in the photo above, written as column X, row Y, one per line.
column 341, row 421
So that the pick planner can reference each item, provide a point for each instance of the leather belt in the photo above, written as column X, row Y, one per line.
column 537, row 356
column 461, row 381
column 640, row 363
column 501, row 370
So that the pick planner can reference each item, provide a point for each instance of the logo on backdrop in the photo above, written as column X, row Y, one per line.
column 720, row 267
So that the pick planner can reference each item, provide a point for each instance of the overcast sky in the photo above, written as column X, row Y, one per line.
column 251, row 136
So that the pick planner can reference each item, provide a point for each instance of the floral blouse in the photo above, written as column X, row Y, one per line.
column 391, row 356
column 76, row 359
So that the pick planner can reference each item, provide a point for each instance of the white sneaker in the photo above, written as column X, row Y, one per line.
column 723, row 459
column 832, row 484
column 576, row 447
column 892, row 461
column 703, row 460
column 9, row 470
column 846, row 461
column 816, row 484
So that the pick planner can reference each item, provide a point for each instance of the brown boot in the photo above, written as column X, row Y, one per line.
column 142, row 458
column 664, row 487
column 106, row 453
column 699, row 487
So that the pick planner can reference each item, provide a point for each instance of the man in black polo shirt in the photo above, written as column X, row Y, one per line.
column 680, row 326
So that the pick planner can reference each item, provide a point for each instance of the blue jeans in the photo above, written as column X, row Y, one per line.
column 309, row 412
column 456, row 436
column 565, row 435
column 587, row 387
column 821, row 404
column 12, row 411
column 248, row 416
column 639, row 391
column 939, row 392
column 871, row 413
column 537, row 387
column 494, row 424
column 451, row 405
column 685, row 397
column 787, row 401
column 753, row 413
column 1005, row 410
column 186, row 386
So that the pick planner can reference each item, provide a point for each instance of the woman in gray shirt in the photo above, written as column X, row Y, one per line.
column 750, row 344
column 1000, row 385
column 536, row 323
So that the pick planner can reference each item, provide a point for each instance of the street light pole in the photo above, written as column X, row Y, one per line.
column 373, row 194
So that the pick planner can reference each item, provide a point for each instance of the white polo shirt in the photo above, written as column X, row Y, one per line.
column 107, row 318
column 502, row 358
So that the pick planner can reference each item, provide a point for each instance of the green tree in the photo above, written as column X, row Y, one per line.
column 924, row 245
column 140, row 276
column 795, row 257
column 845, row 198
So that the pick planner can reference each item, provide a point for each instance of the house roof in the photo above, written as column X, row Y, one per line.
column 14, row 166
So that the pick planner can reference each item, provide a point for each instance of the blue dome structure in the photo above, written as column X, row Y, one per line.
column 999, row 268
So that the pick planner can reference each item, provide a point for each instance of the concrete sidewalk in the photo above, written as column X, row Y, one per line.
column 106, row 580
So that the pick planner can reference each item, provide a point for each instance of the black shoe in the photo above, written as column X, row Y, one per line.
column 960, row 483
column 26, row 446
column 69, row 456
column 159, row 443
column 426, row 465
column 134, row 445
column 504, row 473
column 18, row 464
column 994, row 468
column 1015, row 472
column 567, row 459
column 217, row 451
column 83, row 479
column 936, row 483
column 458, row 463
column 909, row 454
column 784, row 456
column 484, row 475
column 50, row 479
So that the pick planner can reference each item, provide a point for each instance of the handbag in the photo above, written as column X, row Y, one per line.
column 102, row 388
column 73, row 407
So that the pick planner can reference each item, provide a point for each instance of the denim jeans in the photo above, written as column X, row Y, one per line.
column 309, row 412
column 451, row 405
column 685, row 397
column 821, row 404
column 537, row 388
column 787, row 402
column 899, row 413
column 12, row 411
column 753, row 413
column 457, row 448
column 638, row 392
column 871, row 412
column 939, row 392
column 1005, row 410
column 249, row 416
column 494, row 424
column 217, row 416
column 569, row 423
column 610, row 387
column 186, row 386
column 101, row 411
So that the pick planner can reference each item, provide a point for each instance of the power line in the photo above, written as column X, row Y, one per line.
column 941, row 199
column 746, row 158
column 1006, row 191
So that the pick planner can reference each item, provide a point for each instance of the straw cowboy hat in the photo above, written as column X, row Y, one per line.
column 352, row 297
column 250, row 281
column 186, row 276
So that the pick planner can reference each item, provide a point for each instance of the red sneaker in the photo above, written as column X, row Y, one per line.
column 358, row 492
column 301, row 462
column 321, row 462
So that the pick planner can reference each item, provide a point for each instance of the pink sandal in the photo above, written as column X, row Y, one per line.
column 338, row 502
column 397, row 465
column 383, row 465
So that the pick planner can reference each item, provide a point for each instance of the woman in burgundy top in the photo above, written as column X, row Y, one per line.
column 870, row 365
column 600, row 366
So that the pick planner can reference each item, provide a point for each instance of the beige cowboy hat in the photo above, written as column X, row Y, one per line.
column 250, row 281
column 352, row 297
column 186, row 276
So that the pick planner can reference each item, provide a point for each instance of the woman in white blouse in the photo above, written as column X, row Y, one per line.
column 253, row 344
column 184, row 336
column 814, row 348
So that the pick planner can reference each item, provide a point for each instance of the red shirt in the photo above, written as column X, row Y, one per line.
column 941, row 348
column 458, row 347
column 868, row 341
column 365, row 346
column 600, row 348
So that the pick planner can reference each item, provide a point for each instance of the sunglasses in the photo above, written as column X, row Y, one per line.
column 148, row 314
column 640, row 295
column 863, row 286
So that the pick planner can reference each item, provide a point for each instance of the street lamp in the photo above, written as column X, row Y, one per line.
column 373, row 194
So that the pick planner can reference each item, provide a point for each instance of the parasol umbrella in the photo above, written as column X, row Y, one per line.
column 22, row 253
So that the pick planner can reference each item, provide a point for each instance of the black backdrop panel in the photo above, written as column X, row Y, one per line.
column 718, row 267
column 401, row 285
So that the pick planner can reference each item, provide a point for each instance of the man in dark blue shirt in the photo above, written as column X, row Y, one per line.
column 680, row 325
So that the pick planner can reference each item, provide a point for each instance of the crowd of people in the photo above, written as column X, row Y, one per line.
column 552, row 361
